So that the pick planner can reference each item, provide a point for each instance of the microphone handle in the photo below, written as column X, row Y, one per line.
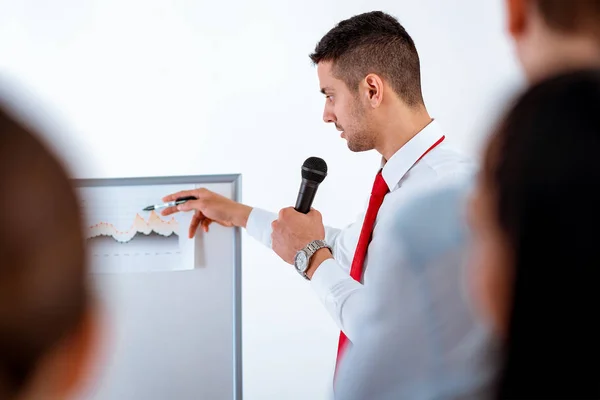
column 306, row 195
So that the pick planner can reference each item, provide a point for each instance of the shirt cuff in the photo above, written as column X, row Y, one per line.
column 259, row 225
column 328, row 281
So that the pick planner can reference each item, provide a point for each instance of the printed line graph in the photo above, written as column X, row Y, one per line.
column 140, row 226
column 152, row 245
column 121, row 237
column 150, row 236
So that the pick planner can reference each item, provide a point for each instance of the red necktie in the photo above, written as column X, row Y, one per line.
column 380, row 189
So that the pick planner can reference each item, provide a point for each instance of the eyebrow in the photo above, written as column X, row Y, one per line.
column 325, row 90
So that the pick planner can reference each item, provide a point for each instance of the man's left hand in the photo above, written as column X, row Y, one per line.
column 292, row 231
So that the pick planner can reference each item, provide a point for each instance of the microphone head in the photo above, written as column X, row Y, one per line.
column 314, row 169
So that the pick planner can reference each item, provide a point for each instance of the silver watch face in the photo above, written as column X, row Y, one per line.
column 301, row 261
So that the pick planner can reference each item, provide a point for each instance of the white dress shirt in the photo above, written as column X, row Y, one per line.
column 340, row 294
column 420, row 337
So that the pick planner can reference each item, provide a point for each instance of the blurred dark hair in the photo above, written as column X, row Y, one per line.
column 373, row 42
column 43, row 289
column 571, row 16
column 543, row 169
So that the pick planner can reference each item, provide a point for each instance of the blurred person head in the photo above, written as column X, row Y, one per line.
column 45, row 308
column 535, row 216
column 369, row 72
column 553, row 36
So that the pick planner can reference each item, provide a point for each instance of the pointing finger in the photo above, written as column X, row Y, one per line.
column 196, row 220
column 191, row 205
column 169, row 211
column 175, row 196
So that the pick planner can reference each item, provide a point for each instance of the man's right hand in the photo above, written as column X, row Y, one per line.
column 209, row 207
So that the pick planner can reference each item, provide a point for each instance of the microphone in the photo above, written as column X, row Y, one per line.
column 314, row 171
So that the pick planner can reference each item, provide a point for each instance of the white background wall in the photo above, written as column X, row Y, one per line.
column 155, row 87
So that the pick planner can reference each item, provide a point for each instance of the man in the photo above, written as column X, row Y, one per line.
column 47, row 329
column 553, row 36
column 369, row 73
column 550, row 36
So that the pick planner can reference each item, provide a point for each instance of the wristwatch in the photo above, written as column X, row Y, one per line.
column 302, row 259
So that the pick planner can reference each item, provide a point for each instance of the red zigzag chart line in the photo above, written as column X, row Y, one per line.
column 140, row 225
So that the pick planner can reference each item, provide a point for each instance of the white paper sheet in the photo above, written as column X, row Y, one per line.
column 121, row 237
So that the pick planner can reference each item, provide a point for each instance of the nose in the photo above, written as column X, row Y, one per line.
column 328, row 115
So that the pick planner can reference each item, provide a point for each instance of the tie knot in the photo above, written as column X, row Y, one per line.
column 380, row 188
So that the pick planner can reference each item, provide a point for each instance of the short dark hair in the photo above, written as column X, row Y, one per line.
column 43, row 277
column 541, row 167
column 571, row 16
column 373, row 42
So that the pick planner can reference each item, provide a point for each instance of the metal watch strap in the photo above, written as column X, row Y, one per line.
column 315, row 245
column 311, row 249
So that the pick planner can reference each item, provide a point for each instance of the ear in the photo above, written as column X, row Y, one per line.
column 516, row 16
column 373, row 90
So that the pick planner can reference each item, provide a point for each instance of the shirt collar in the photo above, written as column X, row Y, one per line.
column 402, row 161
